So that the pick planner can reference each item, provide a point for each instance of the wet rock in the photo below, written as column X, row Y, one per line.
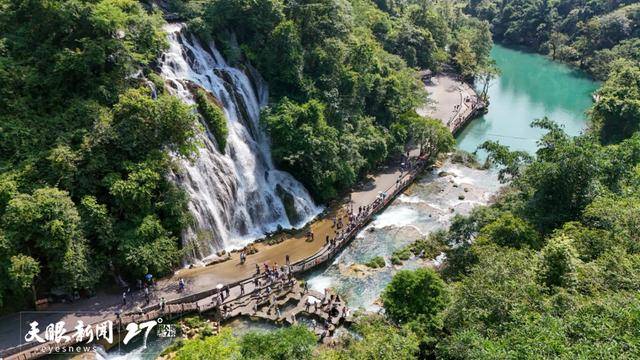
column 289, row 205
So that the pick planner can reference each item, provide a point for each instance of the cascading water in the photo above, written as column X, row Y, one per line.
column 236, row 196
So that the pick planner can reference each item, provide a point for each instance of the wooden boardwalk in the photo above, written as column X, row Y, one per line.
column 247, row 299
column 244, row 296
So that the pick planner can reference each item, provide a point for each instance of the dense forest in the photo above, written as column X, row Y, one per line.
column 84, row 148
column 88, row 136
column 550, row 270
column 590, row 34
column 340, row 73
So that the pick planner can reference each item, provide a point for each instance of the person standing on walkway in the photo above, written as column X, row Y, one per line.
column 124, row 298
column 241, row 289
column 287, row 260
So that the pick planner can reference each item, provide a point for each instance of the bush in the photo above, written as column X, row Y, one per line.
column 213, row 116
column 376, row 263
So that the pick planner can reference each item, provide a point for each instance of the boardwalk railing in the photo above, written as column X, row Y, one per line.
column 189, row 303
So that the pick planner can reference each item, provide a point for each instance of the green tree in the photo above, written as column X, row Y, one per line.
column 46, row 225
column 293, row 343
column 415, row 296
column 378, row 339
column 558, row 261
column 617, row 108
column 430, row 135
column 509, row 230
column 23, row 272
column 223, row 346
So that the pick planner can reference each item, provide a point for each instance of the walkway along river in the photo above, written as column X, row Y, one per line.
column 207, row 300
column 326, row 253
column 203, row 300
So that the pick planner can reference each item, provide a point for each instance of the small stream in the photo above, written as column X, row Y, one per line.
column 428, row 205
column 530, row 86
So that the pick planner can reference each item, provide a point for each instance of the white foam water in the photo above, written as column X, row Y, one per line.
column 396, row 217
column 236, row 196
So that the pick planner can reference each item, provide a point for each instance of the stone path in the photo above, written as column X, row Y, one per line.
column 451, row 101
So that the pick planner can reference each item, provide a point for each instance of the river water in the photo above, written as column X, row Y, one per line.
column 529, row 87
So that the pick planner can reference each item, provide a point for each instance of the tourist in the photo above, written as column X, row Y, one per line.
column 162, row 301
column 287, row 260
column 181, row 285
column 306, row 287
column 241, row 289
column 257, row 269
column 124, row 298
column 279, row 314
column 315, row 306
column 307, row 304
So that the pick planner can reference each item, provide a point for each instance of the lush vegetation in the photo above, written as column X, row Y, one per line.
column 87, row 145
column 343, row 91
column 292, row 343
column 213, row 115
column 84, row 148
column 551, row 270
column 590, row 34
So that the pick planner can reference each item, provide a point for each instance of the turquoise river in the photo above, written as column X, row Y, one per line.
column 530, row 86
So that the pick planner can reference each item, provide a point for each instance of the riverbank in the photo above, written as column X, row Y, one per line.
column 451, row 101
column 201, row 279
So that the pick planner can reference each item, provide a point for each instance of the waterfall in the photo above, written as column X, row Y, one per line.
column 236, row 196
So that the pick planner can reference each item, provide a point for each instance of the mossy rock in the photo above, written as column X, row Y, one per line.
column 376, row 263
column 213, row 116
column 289, row 205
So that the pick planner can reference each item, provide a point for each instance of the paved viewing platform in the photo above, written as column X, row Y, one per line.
column 263, row 286
column 452, row 101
